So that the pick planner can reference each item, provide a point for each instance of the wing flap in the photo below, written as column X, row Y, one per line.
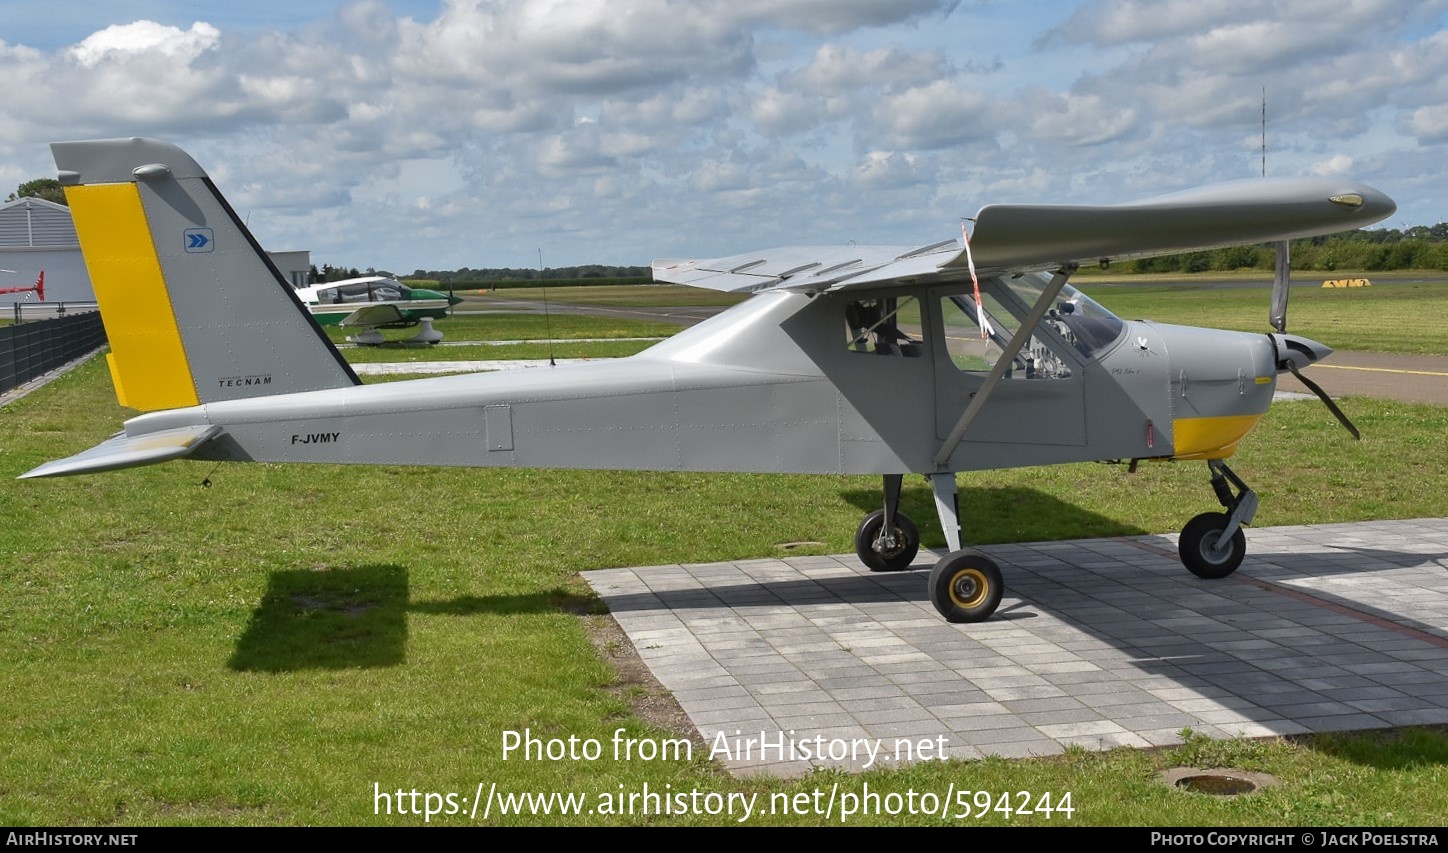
column 808, row 268
column 129, row 451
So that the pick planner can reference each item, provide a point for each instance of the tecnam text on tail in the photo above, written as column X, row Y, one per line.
column 848, row 359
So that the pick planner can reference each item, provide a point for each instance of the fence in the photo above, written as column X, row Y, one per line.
column 27, row 311
column 28, row 350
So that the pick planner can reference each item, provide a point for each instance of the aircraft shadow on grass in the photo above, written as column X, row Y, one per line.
column 337, row 619
column 357, row 618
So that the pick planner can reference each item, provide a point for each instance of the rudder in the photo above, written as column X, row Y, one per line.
column 194, row 309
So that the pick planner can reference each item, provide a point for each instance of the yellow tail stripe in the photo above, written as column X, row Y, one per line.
column 148, row 358
column 116, row 380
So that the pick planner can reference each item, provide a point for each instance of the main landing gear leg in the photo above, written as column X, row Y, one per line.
column 1212, row 545
column 965, row 585
column 887, row 540
column 947, row 506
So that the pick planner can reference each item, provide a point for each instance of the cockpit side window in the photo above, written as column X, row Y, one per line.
column 885, row 326
column 353, row 293
column 977, row 337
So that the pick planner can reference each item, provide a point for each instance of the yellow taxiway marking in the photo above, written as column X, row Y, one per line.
column 1382, row 370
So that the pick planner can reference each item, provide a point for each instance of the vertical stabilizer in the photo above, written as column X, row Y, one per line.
column 194, row 309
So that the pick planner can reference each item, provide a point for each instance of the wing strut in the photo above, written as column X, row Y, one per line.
column 1023, row 334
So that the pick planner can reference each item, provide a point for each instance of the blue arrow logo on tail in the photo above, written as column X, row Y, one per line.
column 199, row 240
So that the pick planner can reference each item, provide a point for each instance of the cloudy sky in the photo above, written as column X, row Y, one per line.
column 408, row 134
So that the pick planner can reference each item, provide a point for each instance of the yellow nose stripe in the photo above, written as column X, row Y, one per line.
column 1210, row 438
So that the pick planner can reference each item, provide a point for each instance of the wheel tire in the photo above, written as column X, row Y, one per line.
column 1200, row 546
column 907, row 543
column 966, row 586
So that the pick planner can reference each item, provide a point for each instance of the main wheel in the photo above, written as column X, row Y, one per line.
column 966, row 586
column 1203, row 550
column 907, row 543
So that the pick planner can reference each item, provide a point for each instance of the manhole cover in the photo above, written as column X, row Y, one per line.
column 1220, row 786
column 1218, row 782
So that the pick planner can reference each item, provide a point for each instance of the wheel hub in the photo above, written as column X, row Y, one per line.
column 968, row 588
column 889, row 544
column 1214, row 549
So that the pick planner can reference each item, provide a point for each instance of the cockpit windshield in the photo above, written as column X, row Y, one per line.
column 1076, row 317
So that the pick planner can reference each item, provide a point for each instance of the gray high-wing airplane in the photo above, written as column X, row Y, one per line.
column 849, row 360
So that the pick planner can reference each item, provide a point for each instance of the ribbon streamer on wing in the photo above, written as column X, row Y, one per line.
column 985, row 328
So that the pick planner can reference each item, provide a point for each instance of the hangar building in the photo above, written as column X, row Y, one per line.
column 36, row 235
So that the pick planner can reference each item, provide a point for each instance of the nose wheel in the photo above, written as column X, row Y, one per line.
column 1212, row 545
column 1206, row 549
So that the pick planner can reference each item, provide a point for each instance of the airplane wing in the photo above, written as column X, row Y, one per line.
column 810, row 268
column 1016, row 237
column 126, row 451
column 372, row 314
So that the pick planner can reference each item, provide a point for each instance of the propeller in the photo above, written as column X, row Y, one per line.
column 1281, row 281
column 1326, row 401
column 1292, row 349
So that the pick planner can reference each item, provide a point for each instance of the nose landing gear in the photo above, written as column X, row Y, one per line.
column 1212, row 545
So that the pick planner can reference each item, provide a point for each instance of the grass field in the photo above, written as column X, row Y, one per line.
column 624, row 296
column 1390, row 316
column 278, row 647
column 526, row 327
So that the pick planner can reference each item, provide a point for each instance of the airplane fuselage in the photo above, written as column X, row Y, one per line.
column 787, row 395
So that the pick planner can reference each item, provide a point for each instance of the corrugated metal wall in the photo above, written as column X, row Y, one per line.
column 35, row 223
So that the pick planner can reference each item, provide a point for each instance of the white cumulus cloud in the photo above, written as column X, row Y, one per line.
column 146, row 37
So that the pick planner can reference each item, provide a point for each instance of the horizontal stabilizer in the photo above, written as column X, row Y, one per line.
column 126, row 451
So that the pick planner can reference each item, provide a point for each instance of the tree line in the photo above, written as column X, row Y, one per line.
column 587, row 271
column 1418, row 248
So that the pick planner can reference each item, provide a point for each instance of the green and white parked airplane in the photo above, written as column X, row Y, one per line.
column 377, row 302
